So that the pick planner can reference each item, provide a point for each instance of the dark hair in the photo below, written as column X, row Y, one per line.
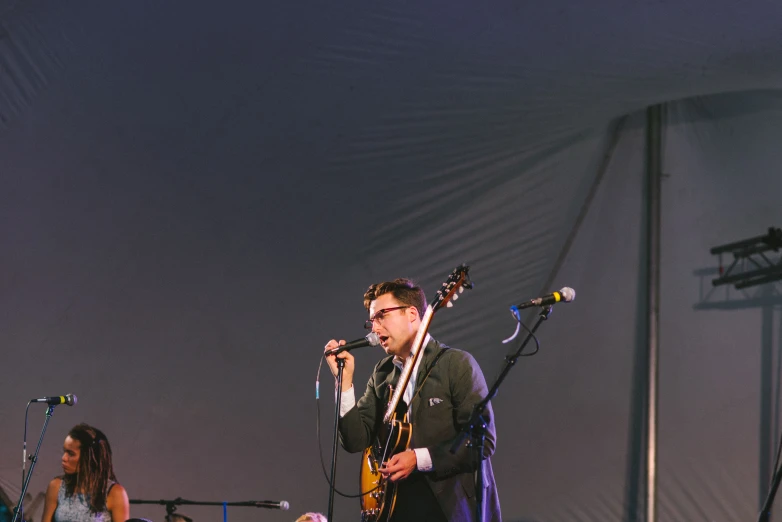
column 174, row 517
column 95, row 469
column 404, row 290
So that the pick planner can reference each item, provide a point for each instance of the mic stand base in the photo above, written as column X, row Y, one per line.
column 477, row 443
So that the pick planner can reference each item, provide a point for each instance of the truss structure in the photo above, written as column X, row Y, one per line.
column 753, row 261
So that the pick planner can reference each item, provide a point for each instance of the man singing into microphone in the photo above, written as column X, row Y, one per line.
column 433, row 484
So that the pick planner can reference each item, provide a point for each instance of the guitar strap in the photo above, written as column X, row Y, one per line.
column 428, row 371
column 402, row 407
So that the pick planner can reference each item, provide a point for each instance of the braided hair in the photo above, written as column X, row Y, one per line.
column 95, row 469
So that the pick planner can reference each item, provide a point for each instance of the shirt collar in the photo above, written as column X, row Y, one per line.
column 399, row 362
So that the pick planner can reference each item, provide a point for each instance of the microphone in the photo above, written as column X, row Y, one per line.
column 565, row 295
column 282, row 504
column 371, row 339
column 69, row 399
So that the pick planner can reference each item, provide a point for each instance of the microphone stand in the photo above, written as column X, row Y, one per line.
column 179, row 501
column 335, row 446
column 475, row 428
column 33, row 460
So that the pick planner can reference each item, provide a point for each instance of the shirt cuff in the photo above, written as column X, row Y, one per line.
column 423, row 459
column 347, row 402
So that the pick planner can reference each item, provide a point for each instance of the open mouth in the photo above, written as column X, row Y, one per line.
column 383, row 341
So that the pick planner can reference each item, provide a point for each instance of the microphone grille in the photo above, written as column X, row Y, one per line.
column 568, row 294
column 71, row 399
column 284, row 505
column 373, row 339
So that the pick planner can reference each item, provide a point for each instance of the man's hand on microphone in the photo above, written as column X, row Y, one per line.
column 347, row 372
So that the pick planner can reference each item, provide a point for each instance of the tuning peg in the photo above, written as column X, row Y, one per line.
column 449, row 304
column 461, row 289
column 455, row 297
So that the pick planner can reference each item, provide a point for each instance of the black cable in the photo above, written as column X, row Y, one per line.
column 24, row 457
column 517, row 315
column 765, row 512
column 776, row 460
column 320, row 446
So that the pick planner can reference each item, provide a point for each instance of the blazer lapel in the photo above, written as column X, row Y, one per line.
column 429, row 352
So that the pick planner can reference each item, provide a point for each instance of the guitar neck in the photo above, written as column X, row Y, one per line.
column 415, row 352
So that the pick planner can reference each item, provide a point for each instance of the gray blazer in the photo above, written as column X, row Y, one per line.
column 443, row 403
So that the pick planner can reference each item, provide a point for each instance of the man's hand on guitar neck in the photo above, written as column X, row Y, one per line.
column 347, row 372
column 399, row 466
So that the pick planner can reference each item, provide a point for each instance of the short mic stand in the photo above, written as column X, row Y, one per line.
column 335, row 446
column 33, row 460
column 179, row 501
column 476, row 426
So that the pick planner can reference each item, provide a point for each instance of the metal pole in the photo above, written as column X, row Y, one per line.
column 335, row 446
column 654, row 116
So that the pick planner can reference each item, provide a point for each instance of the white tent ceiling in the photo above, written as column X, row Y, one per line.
column 194, row 196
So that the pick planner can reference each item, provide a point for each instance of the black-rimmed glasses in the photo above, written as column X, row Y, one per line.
column 379, row 316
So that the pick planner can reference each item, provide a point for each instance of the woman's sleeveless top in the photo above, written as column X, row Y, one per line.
column 77, row 508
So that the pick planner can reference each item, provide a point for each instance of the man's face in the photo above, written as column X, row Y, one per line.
column 396, row 328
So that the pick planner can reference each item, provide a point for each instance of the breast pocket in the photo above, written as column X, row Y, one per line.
column 434, row 417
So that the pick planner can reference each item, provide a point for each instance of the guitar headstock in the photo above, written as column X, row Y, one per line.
column 457, row 282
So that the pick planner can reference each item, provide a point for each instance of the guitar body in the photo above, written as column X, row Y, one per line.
column 378, row 504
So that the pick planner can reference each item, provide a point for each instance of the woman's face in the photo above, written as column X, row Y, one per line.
column 71, row 451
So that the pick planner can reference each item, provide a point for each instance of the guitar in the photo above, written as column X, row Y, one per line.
column 377, row 504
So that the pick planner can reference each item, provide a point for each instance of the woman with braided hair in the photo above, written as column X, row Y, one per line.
column 88, row 490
